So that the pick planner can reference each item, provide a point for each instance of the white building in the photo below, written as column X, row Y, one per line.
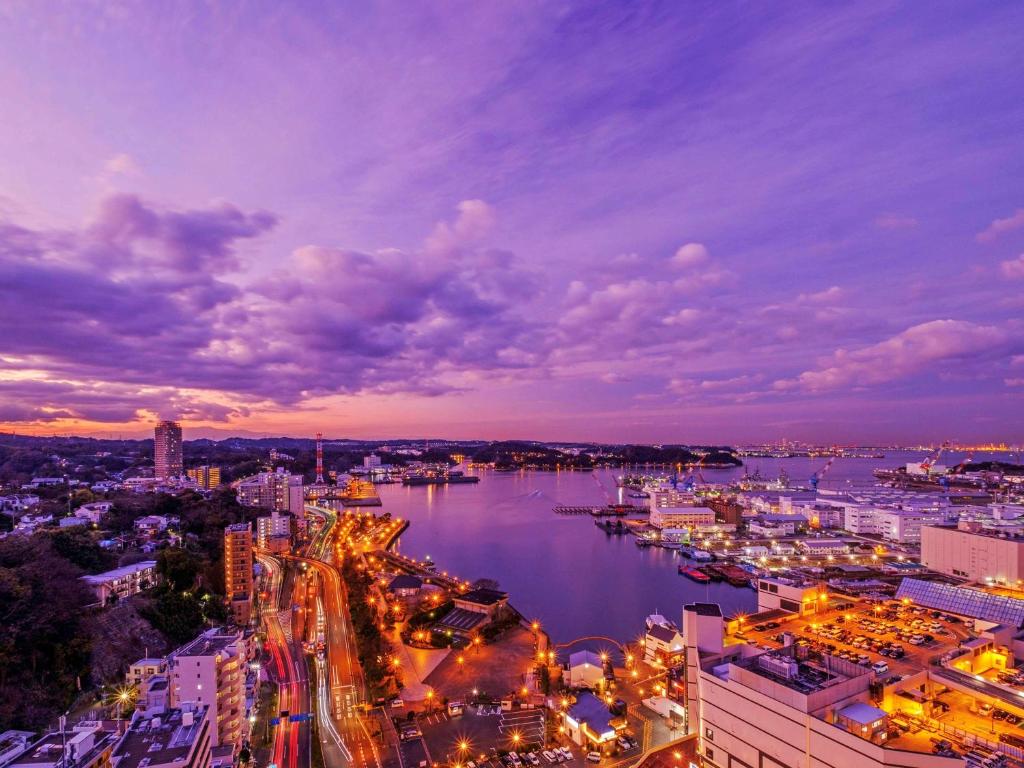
column 372, row 461
column 272, row 527
column 682, row 517
column 279, row 490
column 210, row 670
column 123, row 582
column 585, row 670
column 902, row 526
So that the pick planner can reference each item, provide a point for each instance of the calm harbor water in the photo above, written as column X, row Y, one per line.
column 564, row 571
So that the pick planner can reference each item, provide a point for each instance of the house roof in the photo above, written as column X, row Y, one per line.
column 483, row 596
column 580, row 658
column 405, row 581
column 591, row 710
column 662, row 632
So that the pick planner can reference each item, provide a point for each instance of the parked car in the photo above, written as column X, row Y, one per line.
column 593, row 757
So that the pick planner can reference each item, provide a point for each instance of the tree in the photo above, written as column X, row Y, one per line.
column 178, row 567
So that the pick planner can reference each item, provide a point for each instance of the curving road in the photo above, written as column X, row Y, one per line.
column 291, row 748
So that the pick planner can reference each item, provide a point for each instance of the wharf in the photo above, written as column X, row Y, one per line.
column 610, row 510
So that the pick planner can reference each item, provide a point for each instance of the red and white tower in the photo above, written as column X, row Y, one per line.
column 319, row 458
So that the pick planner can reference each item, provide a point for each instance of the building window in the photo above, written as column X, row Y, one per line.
column 709, row 753
column 709, row 734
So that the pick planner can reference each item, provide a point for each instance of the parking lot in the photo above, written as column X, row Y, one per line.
column 482, row 735
column 889, row 637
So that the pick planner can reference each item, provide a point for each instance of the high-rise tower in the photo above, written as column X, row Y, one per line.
column 319, row 458
column 167, row 462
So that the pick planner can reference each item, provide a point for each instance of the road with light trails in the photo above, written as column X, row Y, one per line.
column 341, row 690
column 291, row 748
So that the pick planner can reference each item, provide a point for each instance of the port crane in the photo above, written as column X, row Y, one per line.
column 931, row 460
column 694, row 469
column 816, row 477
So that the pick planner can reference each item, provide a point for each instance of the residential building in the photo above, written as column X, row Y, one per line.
column 86, row 745
column 272, row 529
column 663, row 641
column 372, row 461
column 210, row 670
column 176, row 738
column 279, row 490
column 682, row 517
column 205, row 476
column 94, row 511
column 238, row 571
column 167, row 459
column 12, row 744
column 973, row 552
column 123, row 582
column 143, row 669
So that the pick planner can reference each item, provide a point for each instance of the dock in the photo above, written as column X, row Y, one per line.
column 609, row 510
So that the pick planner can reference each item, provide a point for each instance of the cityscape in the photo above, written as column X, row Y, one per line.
column 504, row 385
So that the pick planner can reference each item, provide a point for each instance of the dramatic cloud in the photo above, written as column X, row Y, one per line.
column 917, row 349
column 1000, row 227
column 142, row 313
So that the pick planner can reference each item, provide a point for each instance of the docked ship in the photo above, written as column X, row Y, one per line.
column 437, row 477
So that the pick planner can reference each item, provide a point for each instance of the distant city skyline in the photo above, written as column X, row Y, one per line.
column 651, row 223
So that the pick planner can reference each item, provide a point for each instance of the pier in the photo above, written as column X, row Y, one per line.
column 610, row 510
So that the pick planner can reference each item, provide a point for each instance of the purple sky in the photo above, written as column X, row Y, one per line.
column 658, row 222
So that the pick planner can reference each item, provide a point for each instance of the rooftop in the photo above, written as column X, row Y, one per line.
column 160, row 740
column 585, row 657
column 211, row 642
column 704, row 609
column 863, row 714
column 405, row 581
column 117, row 573
column 483, row 596
column 592, row 712
column 963, row 601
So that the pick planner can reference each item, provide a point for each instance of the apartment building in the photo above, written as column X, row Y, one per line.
column 86, row 745
column 123, row 582
column 210, row 671
column 272, row 530
column 143, row 669
column 238, row 565
column 167, row 458
column 205, row 476
column 279, row 490
column 175, row 738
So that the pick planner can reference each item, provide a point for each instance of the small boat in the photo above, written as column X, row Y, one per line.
column 642, row 542
column 693, row 574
